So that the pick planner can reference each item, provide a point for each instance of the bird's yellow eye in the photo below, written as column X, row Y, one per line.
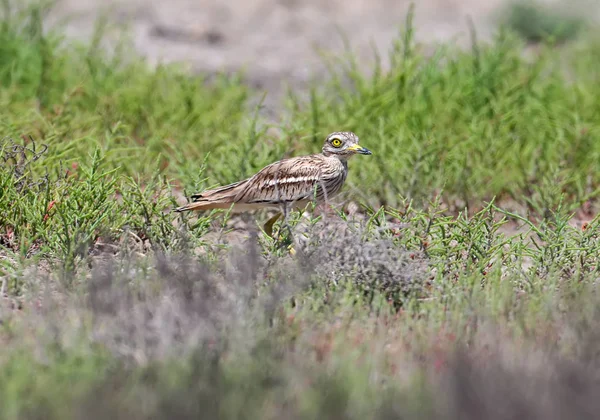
column 336, row 142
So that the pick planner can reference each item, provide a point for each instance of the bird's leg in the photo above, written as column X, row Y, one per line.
column 268, row 226
column 290, row 247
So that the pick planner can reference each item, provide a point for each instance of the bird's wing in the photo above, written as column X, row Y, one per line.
column 218, row 193
column 288, row 180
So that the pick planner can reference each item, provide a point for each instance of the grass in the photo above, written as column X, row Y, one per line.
column 419, row 305
column 475, row 124
column 536, row 22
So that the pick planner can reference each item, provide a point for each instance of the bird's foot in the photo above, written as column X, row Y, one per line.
column 292, row 251
column 285, row 242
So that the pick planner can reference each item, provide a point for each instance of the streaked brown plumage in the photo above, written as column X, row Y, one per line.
column 288, row 183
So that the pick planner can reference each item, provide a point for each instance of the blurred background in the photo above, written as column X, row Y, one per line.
column 279, row 41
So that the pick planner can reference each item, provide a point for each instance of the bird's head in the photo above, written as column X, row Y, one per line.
column 343, row 144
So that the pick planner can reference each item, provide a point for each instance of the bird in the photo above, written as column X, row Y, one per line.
column 288, row 184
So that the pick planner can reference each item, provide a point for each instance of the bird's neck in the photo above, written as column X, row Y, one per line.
column 342, row 159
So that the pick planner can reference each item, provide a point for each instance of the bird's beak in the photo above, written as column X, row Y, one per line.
column 359, row 149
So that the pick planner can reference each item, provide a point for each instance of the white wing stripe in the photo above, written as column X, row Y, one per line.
column 291, row 180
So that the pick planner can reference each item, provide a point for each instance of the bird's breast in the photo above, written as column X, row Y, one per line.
column 333, row 178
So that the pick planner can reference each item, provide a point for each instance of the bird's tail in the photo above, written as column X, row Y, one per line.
column 218, row 198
